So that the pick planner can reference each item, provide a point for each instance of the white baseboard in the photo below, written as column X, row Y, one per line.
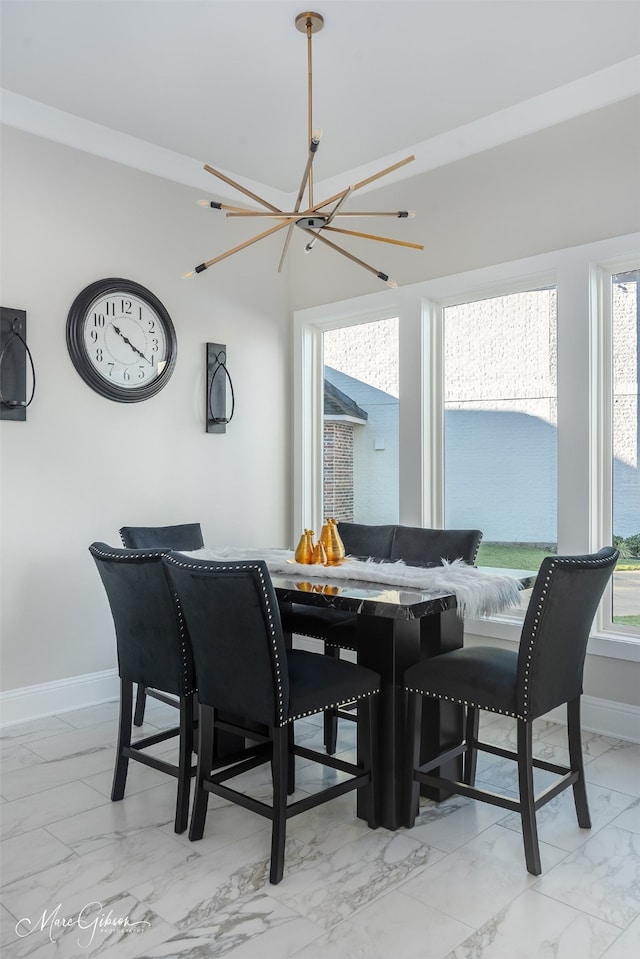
column 603, row 716
column 49, row 699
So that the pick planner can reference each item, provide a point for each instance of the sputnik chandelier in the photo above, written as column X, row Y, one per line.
column 316, row 219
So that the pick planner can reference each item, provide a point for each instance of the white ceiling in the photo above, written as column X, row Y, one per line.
column 225, row 82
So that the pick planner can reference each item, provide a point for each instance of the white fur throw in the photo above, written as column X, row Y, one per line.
column 477, row 593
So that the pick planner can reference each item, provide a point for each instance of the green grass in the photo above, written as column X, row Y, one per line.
column 522, row 556
column 508, row 556
column 627, row 620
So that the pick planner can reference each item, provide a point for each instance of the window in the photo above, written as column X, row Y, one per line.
column 500, row 425
column 360, row 435
column 625, row 437
column 517, row 417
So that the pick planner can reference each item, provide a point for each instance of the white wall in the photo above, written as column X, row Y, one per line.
column 82, row 466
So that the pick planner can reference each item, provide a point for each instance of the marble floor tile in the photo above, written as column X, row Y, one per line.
column 33, row 730
column 88, row 831
column 28, row 781
column 100, row 875
column 92, row 715
column 487, row 873
column 48, row 807
column 450, row 824
column 255, row 926
column 627, row 945
column 76, row 742
column 531, row 927
column 392, row 926
column 557, row 823
column 17, row 757
column 618, row 768
column 630, row 818
column 7, row 929
column 332, row 888
column 30, row 853
column 602, row 877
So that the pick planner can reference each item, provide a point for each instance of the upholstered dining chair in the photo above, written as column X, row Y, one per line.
column 245, row 671
column 415, row 546
column 153, row 650
column 186, row 536
column 545, row 672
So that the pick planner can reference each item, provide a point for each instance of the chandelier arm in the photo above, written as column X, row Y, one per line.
column 398, row 214
column 355, row 259
column 236, row 249
column 241, row 189
column 306, row 176
column 369, row 179
column 372, row 236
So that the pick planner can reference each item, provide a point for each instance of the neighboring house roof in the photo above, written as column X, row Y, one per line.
column 337, row 403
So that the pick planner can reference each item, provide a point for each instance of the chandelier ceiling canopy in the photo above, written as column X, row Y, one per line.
column 315, row 219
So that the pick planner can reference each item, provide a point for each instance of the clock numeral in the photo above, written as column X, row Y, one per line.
column 110, row 307
column 126, row 375
column 94, row 336
column 141, row 372
column 152, row 325
column 126, row 306
column 99, row 356
column 110, row 365
column 98, row 319
column 155, row 346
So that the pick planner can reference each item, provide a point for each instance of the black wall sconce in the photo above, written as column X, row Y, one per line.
column 14, row 353
column 217, row 377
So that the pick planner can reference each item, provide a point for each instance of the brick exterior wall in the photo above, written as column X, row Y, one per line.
column 338, row 471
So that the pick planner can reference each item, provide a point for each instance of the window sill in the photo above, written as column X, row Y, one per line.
column 611, row 645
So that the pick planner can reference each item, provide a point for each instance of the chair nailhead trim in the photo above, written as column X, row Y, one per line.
column 343, row 702
column 466, row 702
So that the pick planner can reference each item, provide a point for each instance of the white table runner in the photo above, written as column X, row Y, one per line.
column 478, row 593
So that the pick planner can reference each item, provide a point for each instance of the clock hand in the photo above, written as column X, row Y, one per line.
column 129, row 343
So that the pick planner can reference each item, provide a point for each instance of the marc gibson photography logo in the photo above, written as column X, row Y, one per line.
column 91, row 919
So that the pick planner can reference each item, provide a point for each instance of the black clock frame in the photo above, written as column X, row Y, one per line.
column 78, row 352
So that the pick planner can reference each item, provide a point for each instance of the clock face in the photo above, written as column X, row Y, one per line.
column 121, row 340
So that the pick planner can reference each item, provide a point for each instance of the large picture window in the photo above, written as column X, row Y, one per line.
column 500, row 424
column 360, row 431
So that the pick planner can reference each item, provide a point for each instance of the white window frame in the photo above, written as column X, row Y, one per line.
column 581, row 423
column 602, row 400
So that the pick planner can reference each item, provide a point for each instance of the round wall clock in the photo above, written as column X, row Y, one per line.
column 121, row 340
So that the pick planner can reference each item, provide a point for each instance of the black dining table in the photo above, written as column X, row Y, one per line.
column 396, row 627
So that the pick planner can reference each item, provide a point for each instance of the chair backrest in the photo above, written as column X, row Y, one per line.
column 428, row 547
column 152, row 643
column 183, row 536
column 553, row 643
column 413, row 544
column 362, row 539
column 232, row 616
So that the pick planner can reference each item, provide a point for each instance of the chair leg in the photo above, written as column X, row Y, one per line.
column 291, row 764
column 527, row 798
column 141, row 699
column 471, row 738
column 331, row 715
column 281, row 759
column 367, row 736
column 184, row 762
column 412, row 788
column 124, row 740
column 205, row 763
column 576, row 763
